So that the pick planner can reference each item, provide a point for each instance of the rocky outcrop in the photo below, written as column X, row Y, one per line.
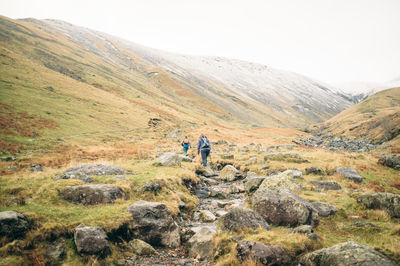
column 141, row 248
column 263, row 254
column 230, row 173
column 314, row 170
column 326, row 185
column 91, row 240
column 390, row 160
column 280, row 206
column 82, row 172
column 13, row 224
column 91, row 194
column 168, row 159
column 349, row 173
column 201, row 245
column 348, row 253
column 240, row 219
column 324, row 209
column 152, row 222
column 280, row 180
column 381, row 201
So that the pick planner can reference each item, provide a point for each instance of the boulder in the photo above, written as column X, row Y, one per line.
column 293, row 173
column 235, row 188
column 206, row 172
column 91, row 194
column 152, row 222
column 382, row 201
column 229, row 173
column 13, row 224
column 253, row 183
column 348, row 253
column 201, row 244
column 280, row 180
column 151, row 186
column 207, row 216
column 83, row 171
column 91, row 240
column 285, row 156
column 169, row 159
column 239, row 218
column 314, row 170
column 327, row 185
column 141, row 248
column 303, row 229
column 390, row 160
column 280, row 206
column 349, row 173
column 263, row 254
column 324, row 209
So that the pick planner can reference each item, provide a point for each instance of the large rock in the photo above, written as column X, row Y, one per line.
column 91, row 194
column 327, row 185
column 324, row 209
column 240, row 219
column 207, row 216
column 206, row 172
column 293, row 173
column 229, row 173
column 263, row 254
column 280, row 180
column 348, row 253
column 83, row 171
column 281, row 206
column 169, row 159
column 141, row 248
column 13, row 224
column 201, row 244
column 91, row 240
column 382, row 201
column 253, row 183
column 314, row 170
column 152, row 222
column 285, row 156
column 390, row 160
column 349, row 173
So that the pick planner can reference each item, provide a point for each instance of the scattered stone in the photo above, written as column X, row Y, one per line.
column 390, row 160
column 13, row 224
column 253, row 183
column 207, row 216
column 239, row 218
column 36, row 168
column 348, row 253
column 201, row 244
column 266, row 255
column 363, row 224
column 235, row 188
column 91, row 194
column 303, row 229
column 76, row 175
column 229, row 173
column 349, row 173
column 280, row 180
column 324, row 209
column 168, row 159
column 218, row 192
column 293, row 173
column 285, row 156
column 314, row 170
column 152, row 222
column 151, row 186
column 281, row 206
column 227, row 156
column 327, row 185
column 382, row 201
column 56, row 251
column 141, row 248
column 91, row 240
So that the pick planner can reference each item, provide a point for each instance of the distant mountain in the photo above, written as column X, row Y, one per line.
column 84, row 80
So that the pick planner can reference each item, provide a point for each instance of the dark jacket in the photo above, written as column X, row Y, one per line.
column 200, row 144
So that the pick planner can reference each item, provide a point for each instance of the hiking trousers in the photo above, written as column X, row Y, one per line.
column 204, row 155
column 185, row 149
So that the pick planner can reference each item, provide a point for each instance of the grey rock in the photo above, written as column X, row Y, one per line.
column 206, row 172
column 390, row 160
column 349, row 173
column 293, row 173
column 229, row 173
column 363, row 224
column 201, row 244
column 84, row 170
column 303, row 229
column 227, row 156
column 253, row 183
column 169, row 159
column 324, row 209
column 382, row 201
column 56, row 251
column 327, row 185
column 207, row 216
column 141, row 248
column 235, row 189
column 185, row 158
column 75, row 175
column 13, row 224
column 91, row 240
column 238, row 219
column 151, row 186
column 266, row 255
column 280, row 206
column 36, row 168
column 153, row 223
column 314, row 170
column 280, row 180
column 348, row 253
column 91, row 194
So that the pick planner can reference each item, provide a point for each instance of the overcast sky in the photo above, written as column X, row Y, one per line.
column 330, row 40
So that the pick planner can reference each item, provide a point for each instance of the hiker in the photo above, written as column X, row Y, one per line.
column 186, row 145
column 203, row 146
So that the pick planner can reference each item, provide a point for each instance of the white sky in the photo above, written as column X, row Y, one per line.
column 330, row 40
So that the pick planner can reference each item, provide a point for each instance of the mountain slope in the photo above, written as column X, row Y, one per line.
column 82, row 81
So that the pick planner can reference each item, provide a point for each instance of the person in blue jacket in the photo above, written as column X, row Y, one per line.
column 203, row 147
column 186, row 145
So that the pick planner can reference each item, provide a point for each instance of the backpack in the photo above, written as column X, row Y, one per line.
column 205, row 143
column 186, row 141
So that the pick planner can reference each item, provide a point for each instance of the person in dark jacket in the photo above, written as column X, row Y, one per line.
column 203, row 147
